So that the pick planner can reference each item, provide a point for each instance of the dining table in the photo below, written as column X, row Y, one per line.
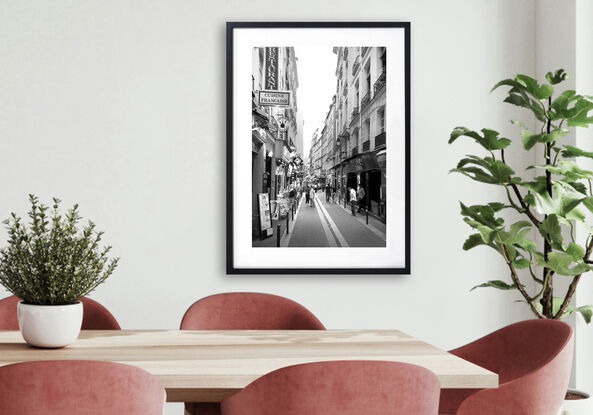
column 209, row 365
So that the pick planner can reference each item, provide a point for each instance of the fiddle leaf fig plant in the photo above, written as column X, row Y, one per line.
column 552, row 197
column 50, row 260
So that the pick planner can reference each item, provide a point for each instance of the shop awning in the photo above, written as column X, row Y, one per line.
column 371, row 160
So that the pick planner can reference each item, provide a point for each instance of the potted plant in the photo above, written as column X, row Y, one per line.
column 551, row 198
column 50, row 264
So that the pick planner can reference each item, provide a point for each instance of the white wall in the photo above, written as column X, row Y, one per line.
column 564, row 39
column 584, row 139
column 120, row 106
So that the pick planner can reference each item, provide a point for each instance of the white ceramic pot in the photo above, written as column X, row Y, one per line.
column 50, row 325
column 577, row 406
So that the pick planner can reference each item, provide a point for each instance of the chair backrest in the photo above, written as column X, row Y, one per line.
column 95, row 317
column 69, row 387
column 339, row 388
column 533, row 359
column 519, row 348
column 248, row 311
column 8, row 318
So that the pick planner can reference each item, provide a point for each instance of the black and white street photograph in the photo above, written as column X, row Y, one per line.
column 328, row 149
column 319, row 153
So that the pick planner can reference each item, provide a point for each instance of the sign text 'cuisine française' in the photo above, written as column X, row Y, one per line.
column 274, row 98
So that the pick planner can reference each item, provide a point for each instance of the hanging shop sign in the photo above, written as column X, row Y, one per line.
column 265, row 219
column 273, row 98
column 282, row 124
column 271, row 80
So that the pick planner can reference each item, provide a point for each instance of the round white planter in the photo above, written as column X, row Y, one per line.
column 577, row 406
column 49, row 325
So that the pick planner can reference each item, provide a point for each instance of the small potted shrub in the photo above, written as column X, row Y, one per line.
column 50, row 263
column 551, row 199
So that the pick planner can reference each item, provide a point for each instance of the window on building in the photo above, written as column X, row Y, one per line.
column 367, row 129
column 381, row 120
column 355, row 138
column 367, row 73
column 357, row 93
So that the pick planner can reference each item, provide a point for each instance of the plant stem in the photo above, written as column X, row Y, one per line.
column 546, row 301
column 517, row 282
column 574, row 283
column 524, row 206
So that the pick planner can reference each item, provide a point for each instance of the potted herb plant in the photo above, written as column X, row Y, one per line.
column 552, row 198
column 50, row 263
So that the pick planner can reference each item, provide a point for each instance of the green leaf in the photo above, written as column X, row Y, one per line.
column 560, row 263
column 556, row 77
column 529, row 199
column 489, row 138
column 531, row 85
column 563, row 203
column 529, row 139
column 588, row 203
column 486, row 233
column 579, row 114
column 521, row 263
column 550, row 229
column 519, row 123
column 576, row 251
column 506, row 82
column 501, row 285
column 486, row 170
column 559, row 107
column 472, row 241
column 579, row 187
column 497, row 206
column 585, row 312
column 571, row 151
column 482, row 214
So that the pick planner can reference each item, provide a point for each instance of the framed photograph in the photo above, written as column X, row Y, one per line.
column 322, row 186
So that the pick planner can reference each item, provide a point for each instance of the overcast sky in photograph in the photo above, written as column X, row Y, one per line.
column 316, row 67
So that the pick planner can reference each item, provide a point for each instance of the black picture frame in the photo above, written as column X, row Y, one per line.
column 231, row 269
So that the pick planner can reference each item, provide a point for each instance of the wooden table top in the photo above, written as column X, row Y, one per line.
column 207, row 366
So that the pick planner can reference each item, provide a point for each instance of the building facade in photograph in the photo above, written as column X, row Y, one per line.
column 276, row 133
column 358, row 153
column 315, row 157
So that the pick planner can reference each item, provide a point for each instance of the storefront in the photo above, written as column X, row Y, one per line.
column 367, row 170
column 262, row 163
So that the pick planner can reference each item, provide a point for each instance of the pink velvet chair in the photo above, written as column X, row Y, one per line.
column 95, row 317
column 244, row 311
column 533, row 359
column 339, row 388
column 73, row 387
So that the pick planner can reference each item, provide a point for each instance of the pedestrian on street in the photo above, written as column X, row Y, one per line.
column 328, row 192
column 307, row 195
column 352, row 194
column 312, row 196
column 360, row 194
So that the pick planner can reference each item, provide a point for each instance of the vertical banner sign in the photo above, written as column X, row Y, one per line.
column 271, row 68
